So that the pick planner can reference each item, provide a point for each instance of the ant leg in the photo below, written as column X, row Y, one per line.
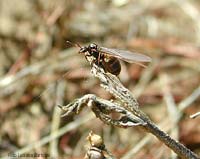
column 86, row 57
column 99, row 56
column 90, row 61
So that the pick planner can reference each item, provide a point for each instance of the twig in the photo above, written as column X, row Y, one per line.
column 177, row 147
column 144, row 80
column 102, row 108
column 183, row 105
column 195, row 115
column 56, row 119
column 112, row 84
column 174, row 112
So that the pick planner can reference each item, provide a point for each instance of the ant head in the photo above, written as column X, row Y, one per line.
column 83, row 49
column 92, row 46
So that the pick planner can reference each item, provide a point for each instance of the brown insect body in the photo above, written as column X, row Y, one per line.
column 112, row 65
column 107, row 58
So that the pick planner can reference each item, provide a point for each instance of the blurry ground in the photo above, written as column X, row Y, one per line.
column 38, row 71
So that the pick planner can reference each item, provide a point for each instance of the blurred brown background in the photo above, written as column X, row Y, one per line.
column 39, row 70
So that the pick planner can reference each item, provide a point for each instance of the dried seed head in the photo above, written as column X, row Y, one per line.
column 95, row 140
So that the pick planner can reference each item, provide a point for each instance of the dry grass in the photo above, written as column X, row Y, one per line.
column 38, row 71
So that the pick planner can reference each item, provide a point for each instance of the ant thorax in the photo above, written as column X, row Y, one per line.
column 90, row 58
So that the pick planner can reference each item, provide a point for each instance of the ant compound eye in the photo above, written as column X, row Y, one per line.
column 93, row 46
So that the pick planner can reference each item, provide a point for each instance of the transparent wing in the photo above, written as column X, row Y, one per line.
column 125, row 55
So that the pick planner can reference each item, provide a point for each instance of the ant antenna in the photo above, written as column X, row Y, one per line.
column 74, row 44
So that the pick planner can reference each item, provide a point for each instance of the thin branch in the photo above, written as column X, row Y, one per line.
column 183, row 105
column 102, row 109
column 195, row 115
column 56, row 119
column 173, row 111
column 189, row 100
column 112, row 84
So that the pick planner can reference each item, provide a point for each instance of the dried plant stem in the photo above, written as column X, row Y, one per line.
column 129, row 109
column 173, row 111
column 176, row 146
column 195, row 115
column 132, row 106
column 56, row 119
column 183, row 105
